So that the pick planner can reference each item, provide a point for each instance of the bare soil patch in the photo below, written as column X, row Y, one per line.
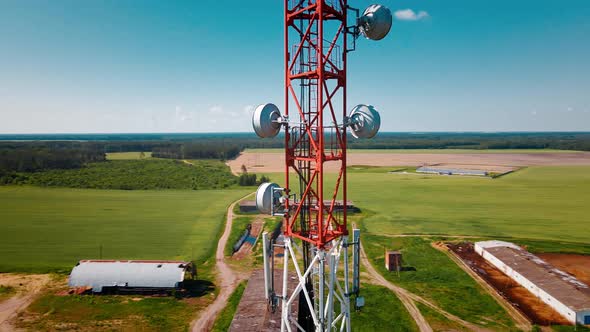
column 269, row 162
column 536, row 310
column 27, row 287
column 576, row 265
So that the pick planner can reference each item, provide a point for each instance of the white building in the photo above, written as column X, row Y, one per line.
column 100, row 274
column 561, row 291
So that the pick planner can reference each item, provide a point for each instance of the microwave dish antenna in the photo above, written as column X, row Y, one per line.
column 267, row 196
column 365, row 121
column 375, row 22
column 267, row 120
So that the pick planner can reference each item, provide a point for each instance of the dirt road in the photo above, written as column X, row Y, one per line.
column 228, row 280
column 408, row 299
column 27, row 288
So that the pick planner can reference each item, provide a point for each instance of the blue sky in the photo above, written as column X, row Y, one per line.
column 200, row 66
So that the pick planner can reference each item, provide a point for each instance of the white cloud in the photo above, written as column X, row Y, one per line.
column 181, row 115
column 216, row 109
column 410, row 15
column 249, row 109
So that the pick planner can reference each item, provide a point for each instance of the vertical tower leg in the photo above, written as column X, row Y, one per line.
column 285, row 325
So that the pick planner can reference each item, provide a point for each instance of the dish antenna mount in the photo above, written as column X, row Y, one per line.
column 375, row 22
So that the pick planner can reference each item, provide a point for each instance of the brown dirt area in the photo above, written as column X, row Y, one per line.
column 269, row 162
column 27, row 287
column 536, row 310
column 576, row 265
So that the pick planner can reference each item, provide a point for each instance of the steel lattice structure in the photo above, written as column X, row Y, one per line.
column 316, row 124
column 315, row 65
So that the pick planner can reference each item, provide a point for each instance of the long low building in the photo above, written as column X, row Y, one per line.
column 563, row 292
column 126, row 274
column 451, row 171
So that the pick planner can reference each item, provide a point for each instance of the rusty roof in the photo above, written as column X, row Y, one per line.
column 562, row 286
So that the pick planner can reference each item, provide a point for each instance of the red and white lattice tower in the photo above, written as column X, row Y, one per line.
column 315, row 121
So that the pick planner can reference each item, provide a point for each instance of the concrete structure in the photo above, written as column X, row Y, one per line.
column 451, row 171
column 100, row 274
column 393, row 260
column 561, row 291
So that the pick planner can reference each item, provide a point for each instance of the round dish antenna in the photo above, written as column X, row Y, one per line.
column 266, row 120
column 364, row 121
column 375, row 22
column 267, row 196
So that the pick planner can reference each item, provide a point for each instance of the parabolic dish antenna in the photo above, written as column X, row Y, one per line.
column 266, row 197
column 265, row 120
column 364, row 121
column 375, row 22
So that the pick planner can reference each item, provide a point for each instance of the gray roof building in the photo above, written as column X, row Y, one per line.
column 128, row 274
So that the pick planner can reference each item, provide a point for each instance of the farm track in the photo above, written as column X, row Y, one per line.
column 9, row 308
column 228, row 279
column 408, row 299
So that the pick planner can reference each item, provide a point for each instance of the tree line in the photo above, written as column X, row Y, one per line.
column 79, row 150
column 190, row 150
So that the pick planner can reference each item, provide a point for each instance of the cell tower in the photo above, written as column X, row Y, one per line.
column 318, row 38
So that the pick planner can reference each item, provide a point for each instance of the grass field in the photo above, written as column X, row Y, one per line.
column 433, row 151
column 549, row 203
column 51, row 312
column 6, row 292
column 383, row 311
column 128, row 155
column 45, row 229
column 538, row 203
column 434, row 276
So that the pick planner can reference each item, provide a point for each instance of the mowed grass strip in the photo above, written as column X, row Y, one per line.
column 383, row 311
column 128, row 155
column 432, row 275
column 43, row 229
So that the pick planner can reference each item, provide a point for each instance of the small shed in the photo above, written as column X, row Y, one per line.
column 393, row 260
column 129, row 274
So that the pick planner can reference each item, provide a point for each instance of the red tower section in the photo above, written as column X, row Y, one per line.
column 315, row 104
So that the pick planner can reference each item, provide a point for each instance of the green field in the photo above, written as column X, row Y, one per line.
column 383, row 311
column 432, row 151
column 432, row 275
column 128, row 155
column 548, row 203
column 538, row 203
column 45, row 229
